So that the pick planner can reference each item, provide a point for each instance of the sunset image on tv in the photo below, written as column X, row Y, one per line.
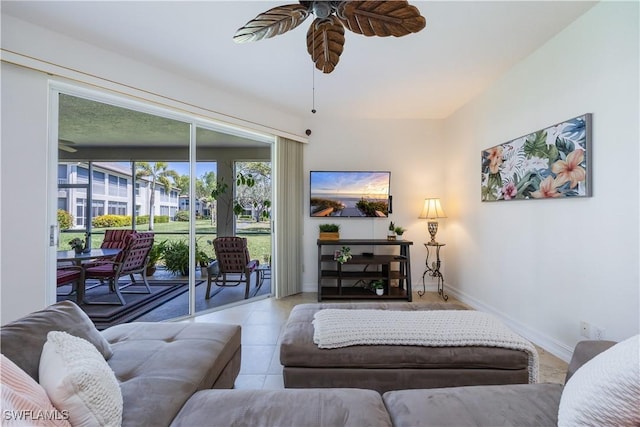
column 349, row 194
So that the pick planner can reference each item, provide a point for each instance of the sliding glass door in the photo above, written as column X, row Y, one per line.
column 125, row 165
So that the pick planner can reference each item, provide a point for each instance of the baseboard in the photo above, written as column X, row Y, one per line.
column 548, row 343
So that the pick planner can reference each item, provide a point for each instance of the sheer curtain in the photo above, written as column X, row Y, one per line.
column 288, row 218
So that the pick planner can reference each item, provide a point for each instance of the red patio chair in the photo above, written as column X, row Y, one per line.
column 232, row 256
column 131, row 260
column 73, row 275
column 115, row 239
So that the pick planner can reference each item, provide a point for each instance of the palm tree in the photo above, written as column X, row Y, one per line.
column 158, row 173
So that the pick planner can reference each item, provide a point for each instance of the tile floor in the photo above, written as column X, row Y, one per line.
column 263, row 320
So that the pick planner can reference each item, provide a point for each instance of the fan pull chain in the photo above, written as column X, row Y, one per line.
column 313, row 74
column 313, row 89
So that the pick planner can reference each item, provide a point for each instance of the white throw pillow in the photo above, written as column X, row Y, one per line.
column 79, row 381
column 605, row 390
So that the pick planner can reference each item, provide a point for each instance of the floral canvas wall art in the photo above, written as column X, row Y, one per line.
column 551, row 163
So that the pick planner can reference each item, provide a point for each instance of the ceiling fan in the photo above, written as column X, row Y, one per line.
column 325, row 37
column 66, row 145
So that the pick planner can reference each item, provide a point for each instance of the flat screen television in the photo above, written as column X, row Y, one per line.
column 350, row 194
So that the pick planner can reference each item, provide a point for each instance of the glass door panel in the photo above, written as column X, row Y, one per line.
column 121, row 168
column 232, row 173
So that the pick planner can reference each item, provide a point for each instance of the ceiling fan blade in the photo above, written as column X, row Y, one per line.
column 381, row 18
column 271, row 23
column 66, row 148
column 325, row 42
column 65, row 145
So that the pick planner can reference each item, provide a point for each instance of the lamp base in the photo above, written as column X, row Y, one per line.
column 433, row 230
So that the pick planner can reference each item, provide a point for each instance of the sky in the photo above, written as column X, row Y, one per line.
column 201, row 168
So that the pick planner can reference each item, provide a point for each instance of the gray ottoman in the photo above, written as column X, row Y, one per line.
column 384, row 368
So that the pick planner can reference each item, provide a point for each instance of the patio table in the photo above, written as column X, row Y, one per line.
column 63, row 256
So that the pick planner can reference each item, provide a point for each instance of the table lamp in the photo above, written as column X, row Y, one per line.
column 432, row 210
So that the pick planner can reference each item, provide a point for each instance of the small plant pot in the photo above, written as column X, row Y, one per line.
column 399, row 237
column 379, row 291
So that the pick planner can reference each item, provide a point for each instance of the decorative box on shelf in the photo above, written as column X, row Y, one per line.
column 328, row 235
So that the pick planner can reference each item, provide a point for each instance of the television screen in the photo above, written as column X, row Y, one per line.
column 349, row 194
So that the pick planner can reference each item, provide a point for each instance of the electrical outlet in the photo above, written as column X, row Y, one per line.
column 598, row 333
column 585, row 329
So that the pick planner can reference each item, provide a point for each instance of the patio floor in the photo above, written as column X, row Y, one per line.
column 177, row 304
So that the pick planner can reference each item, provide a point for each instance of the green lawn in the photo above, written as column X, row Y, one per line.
column 257, row 233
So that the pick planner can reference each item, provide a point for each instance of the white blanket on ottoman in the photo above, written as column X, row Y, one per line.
column 334, row 328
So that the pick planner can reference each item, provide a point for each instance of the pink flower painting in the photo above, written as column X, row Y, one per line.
column 548, row 164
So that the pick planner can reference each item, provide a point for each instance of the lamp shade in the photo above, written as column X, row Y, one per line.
column 432, row 209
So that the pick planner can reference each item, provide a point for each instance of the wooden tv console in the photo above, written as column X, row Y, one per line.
column 358, row 272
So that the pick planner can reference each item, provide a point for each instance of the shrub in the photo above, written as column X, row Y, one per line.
column 142, row 219
column 108, row 221
column 161, row 219
column 182, row 216
column 65, row 220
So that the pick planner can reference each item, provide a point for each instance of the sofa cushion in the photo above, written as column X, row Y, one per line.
column 160, row 365
column 606, row 389
column 78, row 380
column 24, row 397
column 502, row 405
column 268, row 408
column 23, row 339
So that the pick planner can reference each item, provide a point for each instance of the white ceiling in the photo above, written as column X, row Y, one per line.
column 465, row 46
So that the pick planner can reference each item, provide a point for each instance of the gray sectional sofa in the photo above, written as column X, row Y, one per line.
column 181, row 374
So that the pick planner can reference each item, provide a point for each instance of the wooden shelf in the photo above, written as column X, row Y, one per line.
column 355, row 292
column 388, row 267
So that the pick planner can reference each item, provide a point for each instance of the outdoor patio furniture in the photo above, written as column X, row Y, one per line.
column 232, row 257
column 72, row 275
column 115, row 239
column 132, row 260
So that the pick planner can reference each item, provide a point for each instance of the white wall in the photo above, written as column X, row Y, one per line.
column 411, row 149
column 546, row 265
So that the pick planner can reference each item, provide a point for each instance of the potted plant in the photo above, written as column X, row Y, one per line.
column 329, row 231
column 391, row 234
column 176, row 257
column 77, row 244
column 399, row 232
column 155, row 254
column 378, row 287
column 343, row 255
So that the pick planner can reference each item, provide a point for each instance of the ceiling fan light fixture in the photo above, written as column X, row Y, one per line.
column 321, row 9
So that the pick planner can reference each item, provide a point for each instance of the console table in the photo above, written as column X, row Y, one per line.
column 385, row 267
